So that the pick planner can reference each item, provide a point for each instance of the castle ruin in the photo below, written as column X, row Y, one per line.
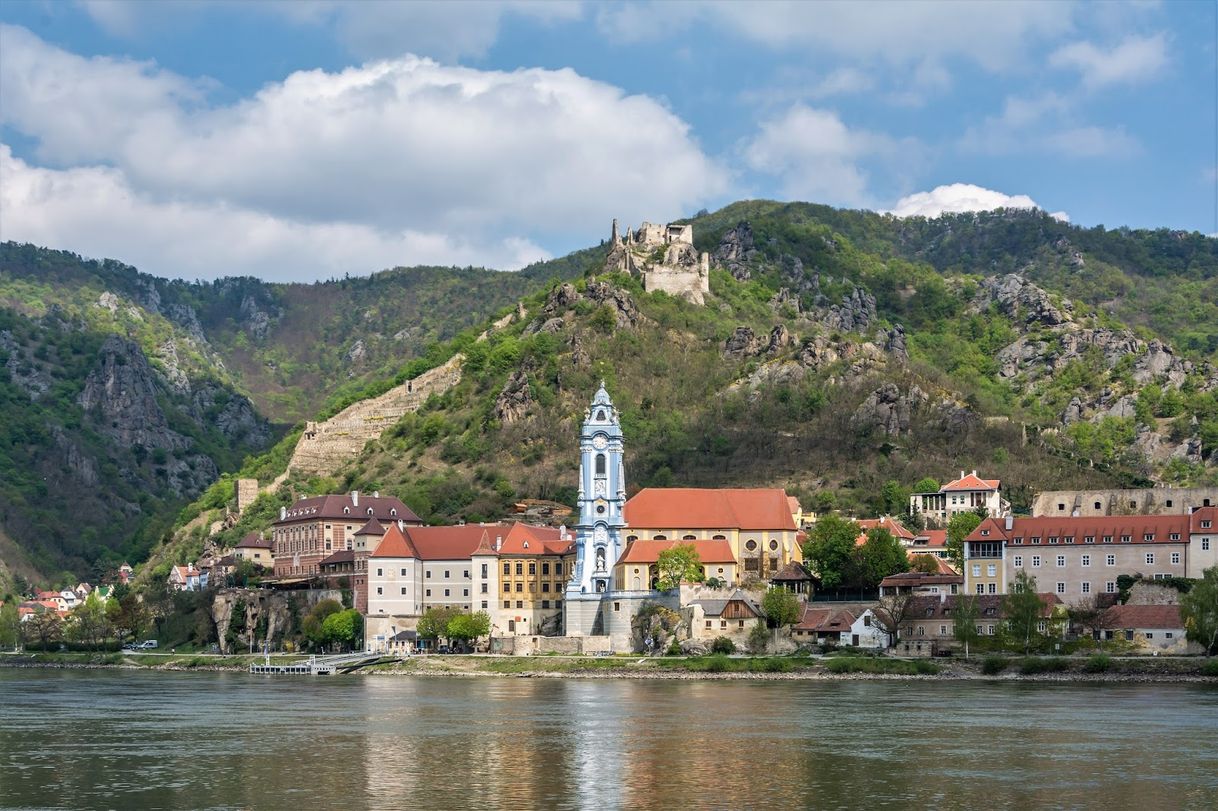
column 663, row 257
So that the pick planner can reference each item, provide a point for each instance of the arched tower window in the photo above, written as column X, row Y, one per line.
column 600, row 415
column 600, row 464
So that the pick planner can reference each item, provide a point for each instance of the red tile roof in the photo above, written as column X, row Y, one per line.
column 255, row 540
column 970, row 482
column 989, row 606
column 384, row 509
column 528, row 539
column 1161, row 527
column 701, row 508
column 341, row 556
column 373, row 527
column 446, row 543
column 915, row 579
column 931, row 538
column 826, row 620
column 1143, row 616
column 887, row 522
column 395, row 544
column 1208, row 514
column 649, row 551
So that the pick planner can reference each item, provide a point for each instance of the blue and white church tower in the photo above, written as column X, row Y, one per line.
column 602, row 501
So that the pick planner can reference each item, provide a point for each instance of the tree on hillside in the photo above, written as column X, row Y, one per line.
column 781, row 607
column 44, row 628
column 880, row 555
column 891, row 612
column 10, row 625
column 679, row 564
column 894, row 498
column 926, row 564
column 926, row 485
column 829, row 551
column 964, row 621
column 1022, row 608
column 959, row 528
column 1199, row 610
column 433, row 625
column 468, row 628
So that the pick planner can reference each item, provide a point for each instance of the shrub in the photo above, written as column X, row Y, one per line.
column 1100, row 663
column 717, row 664
column 1038, row 664
column 991, row 665
column 770, row 664
column 1210, row 668
column 759, row 639
column 723, row 645
column 674, row 648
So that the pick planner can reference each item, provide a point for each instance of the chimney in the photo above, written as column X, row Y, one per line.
column 401, row 525
column 1074, row 513
column 942, row 597
column 562, row 532
column 962, row 474
column 974, row 471
column 283, row 513
column 355, row 498
column 1009, row 523
column 498, row 542
column 376, row 493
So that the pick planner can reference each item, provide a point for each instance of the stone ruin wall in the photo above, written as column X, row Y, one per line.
column 682, row 271
column 1146, row 501
column 324, row 447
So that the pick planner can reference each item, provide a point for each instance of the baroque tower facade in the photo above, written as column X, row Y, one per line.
column 602, row 502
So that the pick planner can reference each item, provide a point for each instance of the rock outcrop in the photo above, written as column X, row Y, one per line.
column 560, row 305
column 121, row 393
column 262, row 616
column 514, row 399
column 888, row 410
column 736, row 251
column 855, row 314
column 22, row 368
column 742, row 343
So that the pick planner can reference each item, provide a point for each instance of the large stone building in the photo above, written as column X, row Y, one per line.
column 1078, row 558
column 520, row 578
column 965, row 494
column 314, row 528
column 1144, row 501
column 664, row 257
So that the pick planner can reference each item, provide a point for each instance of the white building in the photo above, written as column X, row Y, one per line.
column 962, row 495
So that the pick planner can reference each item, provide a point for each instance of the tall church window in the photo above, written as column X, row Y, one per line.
column 600, row 464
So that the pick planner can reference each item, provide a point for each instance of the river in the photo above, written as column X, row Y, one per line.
column 140, row 740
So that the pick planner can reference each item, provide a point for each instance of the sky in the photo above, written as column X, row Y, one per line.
column 306, row 140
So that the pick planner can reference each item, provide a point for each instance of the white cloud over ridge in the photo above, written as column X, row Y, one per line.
column 415, row 156
column 957, row 198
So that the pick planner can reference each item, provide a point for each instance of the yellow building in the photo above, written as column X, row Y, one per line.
column 758, row 524
column 526, row 569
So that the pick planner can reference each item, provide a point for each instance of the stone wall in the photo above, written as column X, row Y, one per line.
column 247, row 491
column 326, row 446
column 1147, row 501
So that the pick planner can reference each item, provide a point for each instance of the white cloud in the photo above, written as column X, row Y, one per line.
column 960, row 197
column 401, row 146
column 994, row 35
column 95, row 212
column 1133, row 61
column 370, row 29
column 1046, row 123
column 815, row 156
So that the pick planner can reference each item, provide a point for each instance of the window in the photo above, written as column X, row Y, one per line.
column 751, row 545
column 1150, row 557
column 741, row 623
column 507, row 603
column 709, row 624
column 1126, row 539
column 1086, row 560
column 1052, row 539
column 722, row 623
column 1148, row 537
column 484, row 605
column 600, row 464
column 1097, row 505
column 403, row 590
column 484, row 572
column 380, row 590
column 990, row 630
column 1088, row 539
column 1035, row 540
column 1169, row 502
column 1175, row 557
column 1017, row 540
column 773, row 546
column 1060, row 506
column 1206, row 524
column 921, row 631
column 545, row 568
column 532, row 568
column 558, row 567
column 465, row 574
column 427, row 574
column 992, row 588
column 520, row 604
column 1110, row 560
column 1150, row 635
column 1061, row 588
column 1169, row 634
column 429, row 592
column 1110, row 587
column 519, row 568
column 976, row 570
column 1018, row 561
column 403, row 573
column 1174, row 536
column 484, row 588
column 379, row 573
column 981, row 588
column 545, row 587
column 1068, row 539
column 991, row 570
column 1205, row 544
column 1086, row 588
column 1107, row 539
column 507, row 568
column 942, row 630
column 1061, row 561
column 520, row 587
column 1036, row 561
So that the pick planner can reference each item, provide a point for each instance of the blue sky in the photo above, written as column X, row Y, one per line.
column 310, row 139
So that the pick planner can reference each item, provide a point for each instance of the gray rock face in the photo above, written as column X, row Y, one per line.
column 888, row 410
column 560, row 305
column 893, row 341
column 819, row 352
column 735, row 250
column 257, row 321
column 514, row 400
column 785, row 298
column 624, row 309
column 741, row 343
column 561, row 298
column 357, row 353
column 1018, row 298
column 855, row 314
column 185, row 317
column 1073, row 412
column 121, row 392
column 1123, row 408
column 780, row 339
column 552, row 325
column 167, row 354
column 236, row 419
column 579, row 356
column 22, row 368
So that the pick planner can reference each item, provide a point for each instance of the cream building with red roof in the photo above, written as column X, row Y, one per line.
column 965, row 494
column 1081, row 557
column 757, row 524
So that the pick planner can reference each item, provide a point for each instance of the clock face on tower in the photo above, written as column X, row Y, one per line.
column 599, row 442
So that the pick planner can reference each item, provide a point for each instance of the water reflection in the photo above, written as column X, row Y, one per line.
column 141, row 740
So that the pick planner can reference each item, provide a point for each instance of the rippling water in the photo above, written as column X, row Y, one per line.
column 132, row 740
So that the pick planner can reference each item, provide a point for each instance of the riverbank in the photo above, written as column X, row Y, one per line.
column 786, row 668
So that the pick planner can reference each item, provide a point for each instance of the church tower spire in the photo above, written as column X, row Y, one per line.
column 602, row 498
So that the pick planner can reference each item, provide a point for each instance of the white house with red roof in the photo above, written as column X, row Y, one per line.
column 965, row 494
column 187, row 578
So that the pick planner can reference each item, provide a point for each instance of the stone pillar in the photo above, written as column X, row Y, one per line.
column 247, row 491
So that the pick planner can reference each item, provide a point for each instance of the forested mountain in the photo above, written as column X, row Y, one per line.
column 837, row 351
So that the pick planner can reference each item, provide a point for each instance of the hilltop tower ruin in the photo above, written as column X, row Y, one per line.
column 663, row 257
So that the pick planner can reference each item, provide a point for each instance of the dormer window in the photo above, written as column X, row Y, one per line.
column 1036, row 540
column 346, row 510
column 985, row 532
column 1052, row 539
column 1088, row 539
column 369, row 511
column 1175, row 536
column 1017, row 540
column 1126, row 539
column 393, row 511
column 1148, row 537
